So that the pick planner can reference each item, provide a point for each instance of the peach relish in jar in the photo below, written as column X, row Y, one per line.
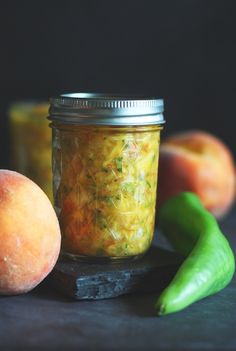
column 30, row 138
column 105, row 162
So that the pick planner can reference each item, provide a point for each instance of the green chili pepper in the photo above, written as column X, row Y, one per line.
column 209, row 265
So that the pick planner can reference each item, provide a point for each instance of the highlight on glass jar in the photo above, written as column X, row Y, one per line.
column 105, row 163
column 30, row 137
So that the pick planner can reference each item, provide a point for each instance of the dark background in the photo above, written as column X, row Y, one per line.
column 183, row 51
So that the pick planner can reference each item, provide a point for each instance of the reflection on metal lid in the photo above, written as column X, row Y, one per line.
column 106, row 109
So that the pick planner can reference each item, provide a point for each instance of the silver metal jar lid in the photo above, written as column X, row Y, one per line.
column 106, row 109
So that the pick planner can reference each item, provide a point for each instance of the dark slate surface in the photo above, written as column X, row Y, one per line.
column 46, row 320
column 93, row 281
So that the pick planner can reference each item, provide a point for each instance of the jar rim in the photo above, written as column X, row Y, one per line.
column 106, row 109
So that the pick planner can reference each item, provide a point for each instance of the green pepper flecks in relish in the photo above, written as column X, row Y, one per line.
column 110, row 177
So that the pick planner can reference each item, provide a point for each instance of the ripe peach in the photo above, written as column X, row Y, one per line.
column 29, row 234
column 199, row 162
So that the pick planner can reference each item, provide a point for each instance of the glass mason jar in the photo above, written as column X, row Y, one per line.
column 105, row 162
column 31, row 142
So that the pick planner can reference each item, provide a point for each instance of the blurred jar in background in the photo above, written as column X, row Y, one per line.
column 30, row 142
